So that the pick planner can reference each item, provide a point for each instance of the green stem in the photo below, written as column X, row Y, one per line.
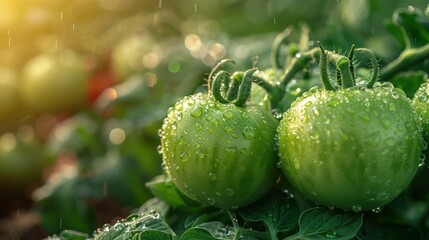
column 275, row 92
column 406, row 59
column 215, row 69
column 343, row 64
column 350, row 56
column 217, row 86
column 232, row 92
column 297, row 64
column 374, row 63
column 324, row 69
column 244, row 89
column 275, row 52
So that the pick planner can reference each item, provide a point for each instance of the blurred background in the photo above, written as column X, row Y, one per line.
column 84, row 86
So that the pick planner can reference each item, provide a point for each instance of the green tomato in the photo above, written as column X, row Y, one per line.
column 22, row 160
column 351, row 149
column 219, row 154
column 53, row 82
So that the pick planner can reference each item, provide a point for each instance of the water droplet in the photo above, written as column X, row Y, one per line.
column 423, row 97
column 211, row 201
column 200, row 155
column 392, row 107
column 356, row 208
column 332, row 102
column 227, row 129
column 331, row 234
column 373, row 140
column 422, row 160
column 178, row 106
column 248, row 132
column 386, row 123
column 208, row 117
column 314, row 133
column 198, row 126
column 276, row 113
column 387, row 85
column 365, row 117
column 390, row 142
column 229, row 192
column 221, row 106
column 215, row 122
column 212, row 176
column 383, row 196
column 377, row 209
column 228, row 114
column 184, row 156
column 191, row 101
column 308, row 103
column 196, row 112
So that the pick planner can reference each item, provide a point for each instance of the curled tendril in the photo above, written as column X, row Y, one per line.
column 238, row 88
column 345, row 68
column 216, row 69
column 374, row 67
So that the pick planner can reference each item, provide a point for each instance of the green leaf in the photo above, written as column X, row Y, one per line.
column 278, row 210
column 145, row 226
column 70, row 235
column 218, row 231
column 323, row 223
column 154, row 204
column 391, row 231
column 209, row 231
column 163, row 188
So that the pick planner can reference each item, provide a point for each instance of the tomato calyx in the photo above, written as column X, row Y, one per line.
column 346, row 76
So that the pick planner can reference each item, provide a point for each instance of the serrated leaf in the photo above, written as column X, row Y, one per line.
column 148, row 226
column 154, row 204
column 209, row 231
column 218, row 231
column 323, row 223
column 278, row 211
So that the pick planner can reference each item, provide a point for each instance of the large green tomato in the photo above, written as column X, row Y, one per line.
column 53, row 82
column 220, row 154
column 351, row 148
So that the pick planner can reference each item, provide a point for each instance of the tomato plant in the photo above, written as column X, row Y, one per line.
column 53, row 82
column 365, row 141
column 217, row 150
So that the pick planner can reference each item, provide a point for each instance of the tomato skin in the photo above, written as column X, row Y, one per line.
column 54, row 82
column 421, row 103
column 219, row 154
column 350, row 149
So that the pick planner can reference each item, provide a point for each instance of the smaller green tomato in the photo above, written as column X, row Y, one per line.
column 22, row 160
column 220, row 154
column 53, row 82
